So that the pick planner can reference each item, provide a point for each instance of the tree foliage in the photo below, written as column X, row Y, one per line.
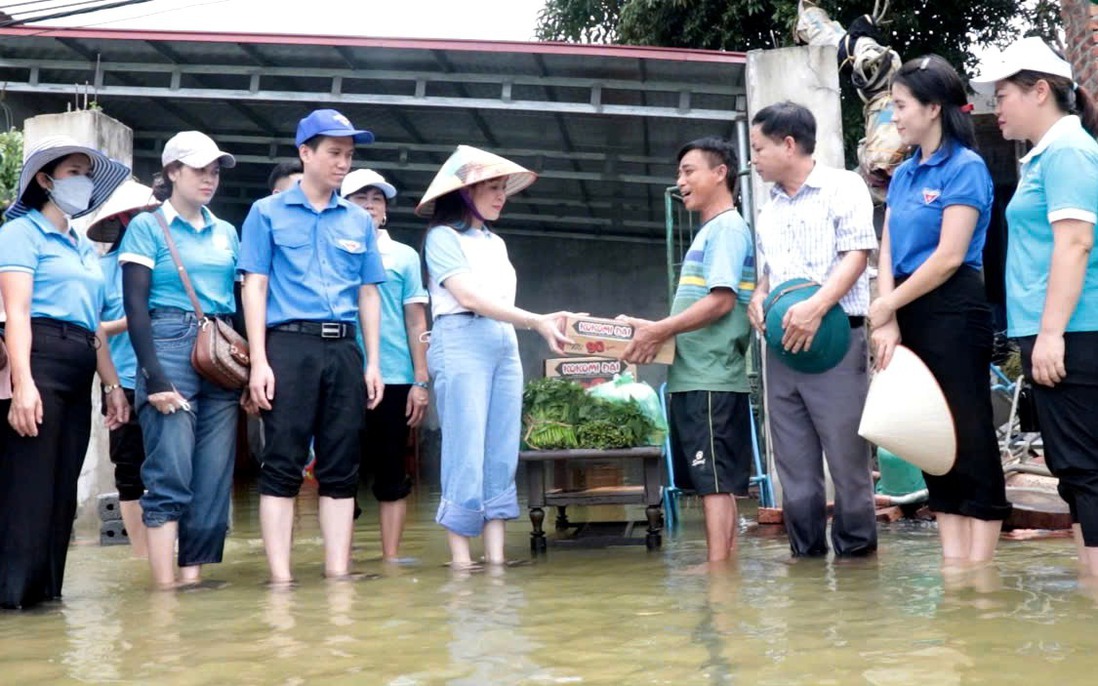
column 11, row 162
column 953, row 29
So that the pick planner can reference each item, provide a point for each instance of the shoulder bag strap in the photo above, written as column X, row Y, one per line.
column 184, row 277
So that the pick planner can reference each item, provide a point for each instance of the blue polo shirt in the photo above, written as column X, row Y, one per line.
column 122, row 354
column 209, row 254
column 1058, row 180
column 68, row 283
column 403, row 286
column 315, row 261
column 920, row 192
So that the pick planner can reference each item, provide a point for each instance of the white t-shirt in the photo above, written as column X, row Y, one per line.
column 477, row 252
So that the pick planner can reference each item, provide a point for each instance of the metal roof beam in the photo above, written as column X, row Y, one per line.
column 229, row 95
column 448, row 68
column 390, row 75
column 432, row 168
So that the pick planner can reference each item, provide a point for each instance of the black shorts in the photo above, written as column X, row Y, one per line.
column 320, row 394
column 711, row 441
column 127, row 451
column 1068, row 416
column 385, row 443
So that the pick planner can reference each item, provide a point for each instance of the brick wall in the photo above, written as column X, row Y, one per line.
column 1081, row 30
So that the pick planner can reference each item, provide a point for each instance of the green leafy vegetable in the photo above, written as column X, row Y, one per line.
column 560, row 415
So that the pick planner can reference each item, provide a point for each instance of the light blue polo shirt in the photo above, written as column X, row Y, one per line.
column 1058, row 180
column 122, row 354
column 452, row 250
column 403, row 286
column 209, row 255
column 315, row 261
column 920, row 192
column 68, row 283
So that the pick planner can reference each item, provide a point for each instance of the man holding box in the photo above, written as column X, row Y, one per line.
column 709, row 410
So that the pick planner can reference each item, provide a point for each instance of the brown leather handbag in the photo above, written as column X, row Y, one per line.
column 220, row 354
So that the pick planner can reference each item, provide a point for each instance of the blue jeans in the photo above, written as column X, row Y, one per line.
column 189, row 455
column 477, row 376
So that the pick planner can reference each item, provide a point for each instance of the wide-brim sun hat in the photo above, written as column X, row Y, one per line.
column 468, row 166
column 906, row 414
column 361, row 179
column 131, row 196
column 106, row 174
column 831, row 341
column 1027, row 54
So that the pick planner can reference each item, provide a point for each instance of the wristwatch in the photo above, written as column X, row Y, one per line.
column 421, row 384
column 109, row 388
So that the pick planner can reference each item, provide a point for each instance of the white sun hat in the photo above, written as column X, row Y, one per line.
column 906, row 413
column 195, row 149
column 469, row 166
column 361, row 179
column 106, row 174
column 132, row 196
column 1027, row 54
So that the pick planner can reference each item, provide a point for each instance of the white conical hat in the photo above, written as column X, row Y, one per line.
column 906, row 414
column 469, row 166
column 131, row 196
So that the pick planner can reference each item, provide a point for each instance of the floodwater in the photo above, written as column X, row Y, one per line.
column 613, row 616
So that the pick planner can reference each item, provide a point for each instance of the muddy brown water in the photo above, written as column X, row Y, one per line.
column 614, row 616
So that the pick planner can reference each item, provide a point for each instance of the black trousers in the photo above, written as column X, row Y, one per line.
column 384, row 443
column 127, row 450
column 320, row 395
column 950, row 330
column 38, row 475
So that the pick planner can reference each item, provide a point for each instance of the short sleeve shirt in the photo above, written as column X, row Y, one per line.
column 403, row 286
column 713, row 358
column 209, row 253
column 479, row 252
column 806, row 236
column 68, row 283
column 122, row 354
column 917, row 198
column 1058, row 180
column 316, row 260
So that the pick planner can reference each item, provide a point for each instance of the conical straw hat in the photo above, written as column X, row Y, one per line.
column 469, row 166
column 131, row 196
column 906, row 414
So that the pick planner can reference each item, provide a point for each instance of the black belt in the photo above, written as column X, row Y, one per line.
column 66, row 329
column 459, row 314
column 856, row 321
column 322, row 329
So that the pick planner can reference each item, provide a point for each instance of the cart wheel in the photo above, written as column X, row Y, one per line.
column 542, row 545
column 653, row 541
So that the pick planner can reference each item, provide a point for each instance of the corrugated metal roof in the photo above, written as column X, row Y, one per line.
column 600, row 123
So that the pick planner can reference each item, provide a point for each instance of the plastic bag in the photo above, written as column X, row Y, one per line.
column 623, row 388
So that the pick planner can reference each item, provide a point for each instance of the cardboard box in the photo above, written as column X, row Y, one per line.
column 607, row 338
column 587, row 371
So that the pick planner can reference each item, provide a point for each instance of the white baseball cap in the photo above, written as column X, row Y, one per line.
column 360, row 179
column 194, row 149
column 1027, row 54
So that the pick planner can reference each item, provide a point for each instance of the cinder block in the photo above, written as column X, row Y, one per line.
column 113, row 533
column 107, row 507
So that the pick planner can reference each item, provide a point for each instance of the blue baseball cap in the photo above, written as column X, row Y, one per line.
column 330, row 123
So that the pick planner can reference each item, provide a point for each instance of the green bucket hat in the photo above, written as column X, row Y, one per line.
column 831, row 340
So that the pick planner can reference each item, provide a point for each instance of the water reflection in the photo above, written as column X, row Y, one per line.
column 578, row 616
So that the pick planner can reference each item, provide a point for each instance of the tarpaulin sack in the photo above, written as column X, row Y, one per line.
column 882, row 150
column 623, row 388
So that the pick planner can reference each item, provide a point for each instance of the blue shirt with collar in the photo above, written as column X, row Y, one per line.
column 403, row 286
column 68, row 283
column 917, row 198
column 122, row 354
column 1057, row 182
column 208, row 253
column 315, row 261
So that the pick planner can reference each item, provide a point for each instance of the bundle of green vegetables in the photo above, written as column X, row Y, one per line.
column 560, row 415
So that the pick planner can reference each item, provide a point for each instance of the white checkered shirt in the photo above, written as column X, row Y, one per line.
column 806, row 236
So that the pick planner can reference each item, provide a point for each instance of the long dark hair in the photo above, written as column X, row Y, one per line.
column 450, row 210
column 934, row 81
column 36, row 196
column 1070, row 98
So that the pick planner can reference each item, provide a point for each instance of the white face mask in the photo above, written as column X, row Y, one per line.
column 72, row 194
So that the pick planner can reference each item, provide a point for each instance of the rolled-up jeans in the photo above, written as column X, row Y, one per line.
column 189, row 454
column 477, row 375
